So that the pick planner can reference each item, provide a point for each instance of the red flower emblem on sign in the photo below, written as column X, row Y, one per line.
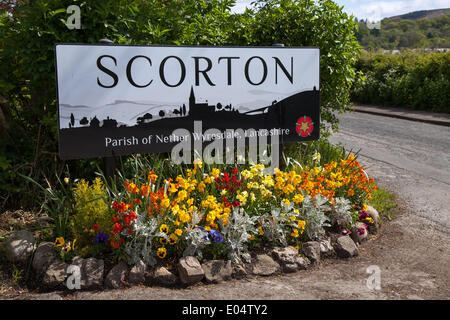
column 304, row 126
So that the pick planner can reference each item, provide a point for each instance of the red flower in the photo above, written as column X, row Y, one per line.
column 117, row 228
column 137, row 201
column 96, row 227
column 114, row 244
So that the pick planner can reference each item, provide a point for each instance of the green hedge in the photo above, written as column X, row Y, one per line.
column 29, row 145
column 415, row 80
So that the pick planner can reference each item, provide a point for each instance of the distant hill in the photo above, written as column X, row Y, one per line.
column 419, row 29
column 423, row 14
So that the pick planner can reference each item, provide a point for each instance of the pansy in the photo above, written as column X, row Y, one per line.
column 216, row 236
column 101, row 238
column 59, row 242
column 161, row 252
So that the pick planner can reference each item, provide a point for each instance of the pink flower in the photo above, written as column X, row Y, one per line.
column 361, row 231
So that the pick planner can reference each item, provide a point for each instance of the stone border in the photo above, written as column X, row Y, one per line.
column 90, row 273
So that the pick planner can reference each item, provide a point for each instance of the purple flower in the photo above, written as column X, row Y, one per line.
column 217, row 237
column 205, row 237
column 101, row 238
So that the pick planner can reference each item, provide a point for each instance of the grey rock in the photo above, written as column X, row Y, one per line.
column 91, row 270
column 217, row 271
column 287, row 257
column 164, row 276
column 326, row 249
column 43, row 257
column 345, row 247
column 239, row 271
column 137, row 273
column 264, row 265
column 311, row 249
column 56, row 274
column 356, row 236
column 20, row 246
column 302, row 263
column 190, row 270
column 373, row 213
column 40, row 296
column 116, row 276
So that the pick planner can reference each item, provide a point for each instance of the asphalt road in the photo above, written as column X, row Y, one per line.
column 419, row 153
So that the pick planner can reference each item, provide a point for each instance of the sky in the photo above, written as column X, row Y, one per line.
column 375, row 10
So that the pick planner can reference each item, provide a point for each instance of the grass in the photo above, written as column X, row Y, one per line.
column 385, row 202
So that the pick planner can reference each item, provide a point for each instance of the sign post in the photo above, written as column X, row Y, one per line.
column 120, row 99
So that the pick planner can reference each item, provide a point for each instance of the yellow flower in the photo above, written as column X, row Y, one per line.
column 261, row 232
column 201, row 187
column 59, row 242
column 246, row 174
column 198, row 162
column 370, row 220
column 298, row 198
column 73, row 244
column 172, row 188
column 178, row 232
column 66, row 248
column 161, row 253
column 66, row 180
column 173, row 239
column 295, row 233
column 164, row 228
column 301, row 225
column 215, row 172
column 350, row 192
column 364, row 206
column 165, row 202
column 182, row 195
column 242, row 197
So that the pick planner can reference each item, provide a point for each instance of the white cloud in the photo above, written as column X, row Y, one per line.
column 372, row 9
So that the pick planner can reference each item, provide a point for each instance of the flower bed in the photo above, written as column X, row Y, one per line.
column 220, row 214
column 209, row 215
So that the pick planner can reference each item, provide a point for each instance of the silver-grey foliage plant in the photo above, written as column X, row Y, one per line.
column 140, row 245
column 313, row 213
column 236, row 234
